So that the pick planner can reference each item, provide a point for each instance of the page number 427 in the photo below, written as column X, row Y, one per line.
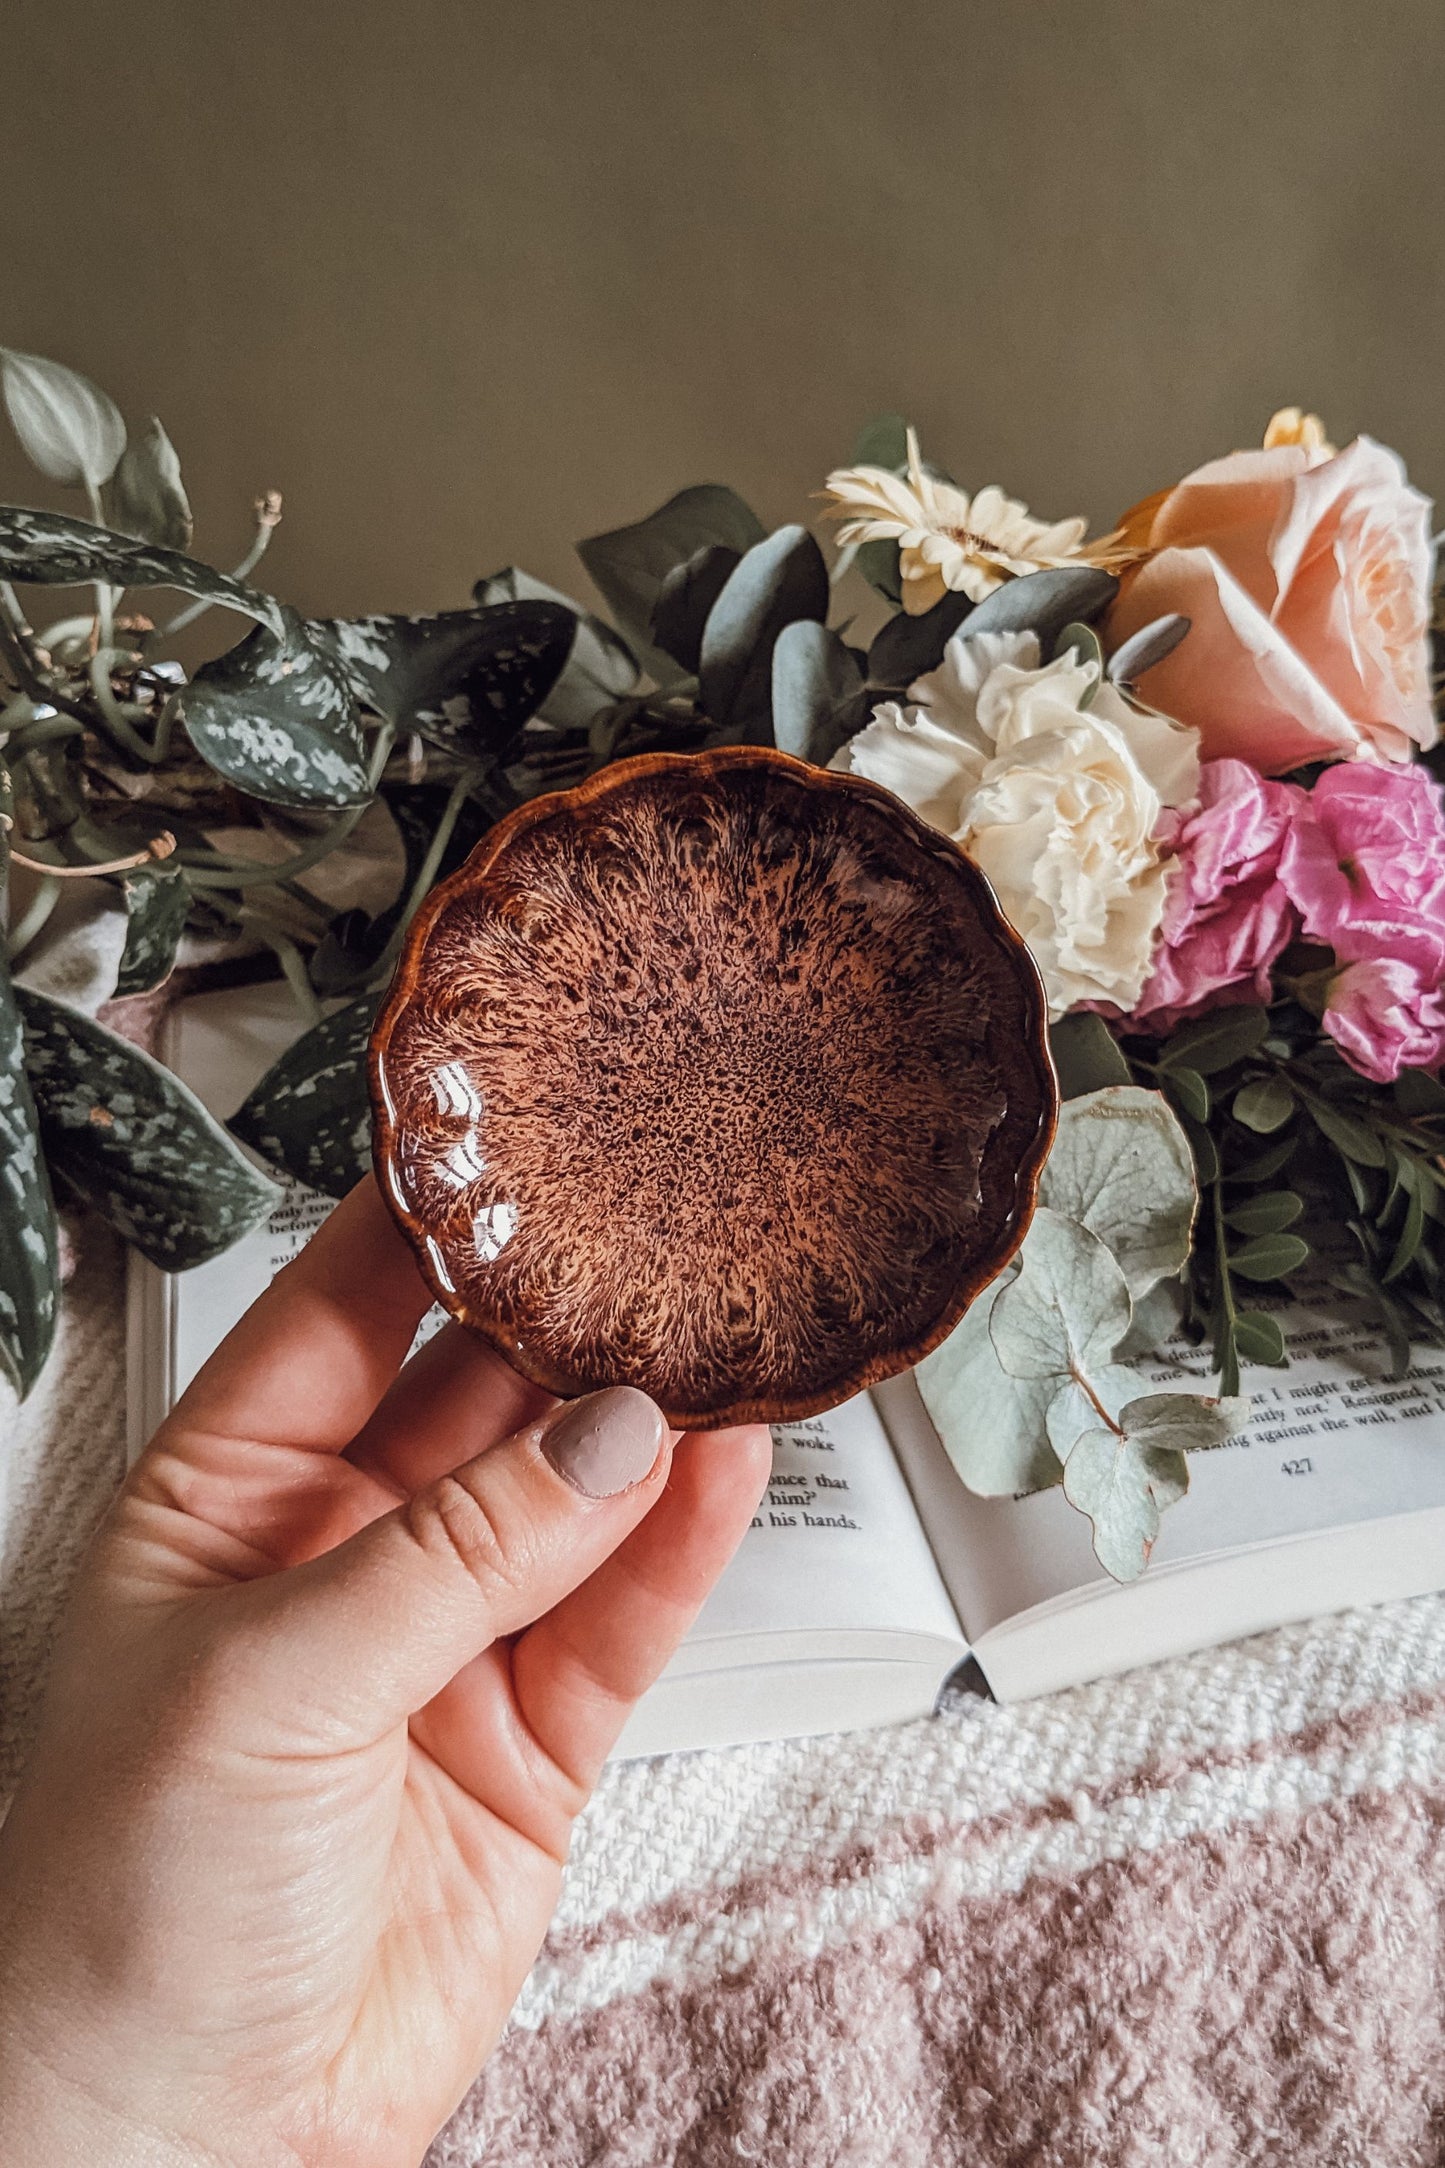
column 1298, row 1467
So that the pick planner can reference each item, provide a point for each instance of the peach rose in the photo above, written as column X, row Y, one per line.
column 1307, row 580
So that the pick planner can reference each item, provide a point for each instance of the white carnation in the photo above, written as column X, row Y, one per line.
column 1055, row 802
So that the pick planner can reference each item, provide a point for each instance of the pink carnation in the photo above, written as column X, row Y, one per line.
column 1365, row 863
column 1226, row 917
column 1384, row 1018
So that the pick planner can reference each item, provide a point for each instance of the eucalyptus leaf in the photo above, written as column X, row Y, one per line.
column 67, row 426
column 1269, row 1257
column 1264, row 1106
column 818, row 699
column 878, row 563
column 1123, row 1486
column 50, row 550
column 1044, row 602
column 156, row 904
column 310, row 1113
column 629, row 564
column 1083, row 643
column 1150, row 644
column 910, row 647
column 277, row 718
column 601, row 667
column 685, row 599
column 1157, row 1315
column 992, row 1426
column 146, row 496
column 1121, row 1166
column 129, row 1138
column 466, row 679
column 776, row 582
column 1069, row 1307
column 1210, row 1043
column 29, row 1258
column 1086, row 1055
column 1185, row 1422
column 1073, row 1409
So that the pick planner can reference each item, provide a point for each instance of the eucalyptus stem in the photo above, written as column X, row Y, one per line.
column 32, row 919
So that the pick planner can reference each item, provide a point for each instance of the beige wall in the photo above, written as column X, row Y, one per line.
column 466, row 281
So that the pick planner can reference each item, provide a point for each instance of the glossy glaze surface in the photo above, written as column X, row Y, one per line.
column 720, row 1076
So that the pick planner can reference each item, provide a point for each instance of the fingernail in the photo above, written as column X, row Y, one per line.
column 606, row 1442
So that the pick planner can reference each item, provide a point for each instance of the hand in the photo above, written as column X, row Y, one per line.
column 341, row 1670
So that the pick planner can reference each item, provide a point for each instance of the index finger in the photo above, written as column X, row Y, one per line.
column 314, row 1354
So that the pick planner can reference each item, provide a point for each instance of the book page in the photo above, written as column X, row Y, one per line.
column 836, row 1548
column 1332, row 1442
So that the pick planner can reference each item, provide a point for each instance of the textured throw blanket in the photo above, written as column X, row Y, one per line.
column 1190, row 1916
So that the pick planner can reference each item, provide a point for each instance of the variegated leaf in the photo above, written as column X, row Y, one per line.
column 50, row 550
column 277, row 718
column 467, row 679
column 29, row 1265
column 310, row 1113
column 156, row 905
column 132, row 1141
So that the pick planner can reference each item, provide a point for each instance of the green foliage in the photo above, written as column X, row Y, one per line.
column 629, row 564
column 278, row 719
column 145, row 496
column 818, row 695
column 776, row 583
column 1029, row 1389
column 127, row 1137
column 29, row 1263
column 1364, row 1202
column 310, row 1114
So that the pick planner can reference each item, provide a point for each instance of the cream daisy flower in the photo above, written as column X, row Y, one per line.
column 948, row 540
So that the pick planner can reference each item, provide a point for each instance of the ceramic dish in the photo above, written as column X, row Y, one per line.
column 719, row 1075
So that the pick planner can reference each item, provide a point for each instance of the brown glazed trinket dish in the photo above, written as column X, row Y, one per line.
column 719, row 1075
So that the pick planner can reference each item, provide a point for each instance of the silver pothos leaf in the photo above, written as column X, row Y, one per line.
column 146, row 496
column 601, row 667
column 310, row 1113
column 133, row 1142
column 467, row 679
column 68, row 427
column 277, row 718
column 156, row 904
column 29, row 1264
column 50, row 550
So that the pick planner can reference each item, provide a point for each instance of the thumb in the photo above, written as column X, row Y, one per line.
column 377, row 1626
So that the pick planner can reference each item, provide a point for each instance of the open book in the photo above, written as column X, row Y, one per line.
column 870, row 1573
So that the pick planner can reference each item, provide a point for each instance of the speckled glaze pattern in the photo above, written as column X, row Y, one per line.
column 720, row 1076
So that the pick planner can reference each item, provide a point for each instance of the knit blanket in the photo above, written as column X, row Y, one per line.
column 1190, row 1916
